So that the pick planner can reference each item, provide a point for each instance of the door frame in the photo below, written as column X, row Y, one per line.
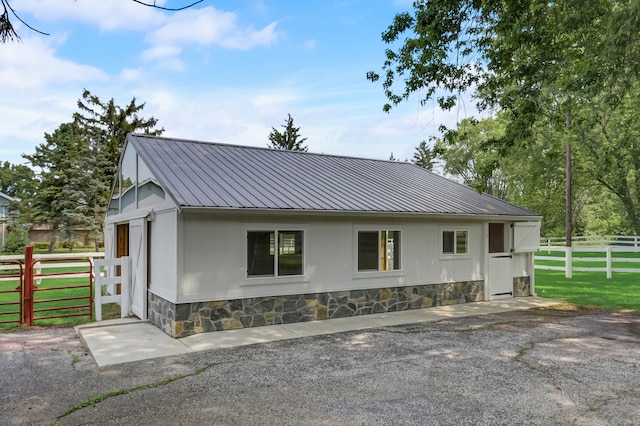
column 138, row 268
column 138, row 283
column 498, row 282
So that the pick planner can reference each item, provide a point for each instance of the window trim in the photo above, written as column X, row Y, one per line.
column 357, row 274
column 275, row 279
column 455, row 254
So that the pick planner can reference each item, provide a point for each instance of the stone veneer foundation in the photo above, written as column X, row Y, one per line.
column 180, row 320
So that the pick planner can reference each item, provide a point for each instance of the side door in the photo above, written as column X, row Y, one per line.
column 499, row 274
column 137, row 254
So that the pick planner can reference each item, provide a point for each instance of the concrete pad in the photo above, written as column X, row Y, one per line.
column 119, row 341
column 329, row 326
column 233, row 338
column 128, row 341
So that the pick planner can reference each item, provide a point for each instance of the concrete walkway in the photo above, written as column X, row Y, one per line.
column 126, row 340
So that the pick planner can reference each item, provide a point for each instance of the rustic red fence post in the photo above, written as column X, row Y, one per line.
column 28, row 285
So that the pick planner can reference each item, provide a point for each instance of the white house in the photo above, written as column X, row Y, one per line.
column 5, row 217
column 224, row 236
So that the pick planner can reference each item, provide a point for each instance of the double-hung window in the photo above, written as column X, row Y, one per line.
column 378, row 250
column 275, row 253
column 455, row 242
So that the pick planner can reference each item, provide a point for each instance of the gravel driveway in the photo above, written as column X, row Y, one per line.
column 537, row 367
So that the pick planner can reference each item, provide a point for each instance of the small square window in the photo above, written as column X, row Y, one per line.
column 455, row 242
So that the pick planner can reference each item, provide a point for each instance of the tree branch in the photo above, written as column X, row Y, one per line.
column 155, row 6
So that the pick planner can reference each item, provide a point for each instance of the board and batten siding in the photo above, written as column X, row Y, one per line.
column 212, row 265
column 162, row 255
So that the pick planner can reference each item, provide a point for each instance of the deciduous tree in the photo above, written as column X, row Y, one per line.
column 18, row 181
column 543, row 64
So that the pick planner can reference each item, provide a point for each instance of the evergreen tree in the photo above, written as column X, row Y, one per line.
column 423, row 156
column 289, row 139
column 61, row 200
column 105, row 126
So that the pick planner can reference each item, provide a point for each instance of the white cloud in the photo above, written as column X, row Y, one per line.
column 208, row 26
column 106, row 14
column 130, row 74
column 159, row 52
column 32, row 64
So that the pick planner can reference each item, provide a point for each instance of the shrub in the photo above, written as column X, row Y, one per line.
column 41, row 245
column 17, row 238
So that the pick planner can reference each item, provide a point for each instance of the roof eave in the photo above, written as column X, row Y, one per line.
column 353, row 213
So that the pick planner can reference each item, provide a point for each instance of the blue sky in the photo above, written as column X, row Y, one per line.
column 225, row 71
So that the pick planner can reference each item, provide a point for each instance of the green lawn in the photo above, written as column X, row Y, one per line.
column 77, row 287
column 592, row 289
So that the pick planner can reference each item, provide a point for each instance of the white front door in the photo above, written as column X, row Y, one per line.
column 137, row 253
column 499, row 275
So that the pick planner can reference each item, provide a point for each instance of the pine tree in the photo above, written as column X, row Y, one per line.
column 423, row 156
column 288, row 139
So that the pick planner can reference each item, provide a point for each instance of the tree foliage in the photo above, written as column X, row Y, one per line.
column 288, row 139
column 18, row 181
column 78, row 161
column 532, row 58
column 423, row 156
column 567, row 69
column 17, row 238
column 468, row 153
column 61, row 201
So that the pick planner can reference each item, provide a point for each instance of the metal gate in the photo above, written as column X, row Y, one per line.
column 39, row 293
column 12, row 274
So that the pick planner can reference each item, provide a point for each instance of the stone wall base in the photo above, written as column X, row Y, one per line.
column 521, row 286
column 180, row 320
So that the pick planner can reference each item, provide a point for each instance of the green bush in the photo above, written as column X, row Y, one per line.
column 17, row 238
column 41, row 245
column 64, row 244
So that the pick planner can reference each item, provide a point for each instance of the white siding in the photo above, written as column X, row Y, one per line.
column 212, row 264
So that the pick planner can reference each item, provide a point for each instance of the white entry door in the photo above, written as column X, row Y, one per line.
column 137, row 253
column 499, row 273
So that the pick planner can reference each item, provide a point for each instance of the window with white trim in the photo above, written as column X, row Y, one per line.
column 378, row 250
column 275, row 253
column 455, row 242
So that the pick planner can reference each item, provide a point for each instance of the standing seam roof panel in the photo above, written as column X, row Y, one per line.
column 200, row 174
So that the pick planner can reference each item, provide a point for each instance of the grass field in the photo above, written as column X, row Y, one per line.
column 76, row 287
column 592, row 289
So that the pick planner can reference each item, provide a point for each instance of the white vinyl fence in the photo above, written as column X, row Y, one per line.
column 591, row 241
column 610, row 247
column 105, row 275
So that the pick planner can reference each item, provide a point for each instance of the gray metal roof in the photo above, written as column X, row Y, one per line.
column 213, row 175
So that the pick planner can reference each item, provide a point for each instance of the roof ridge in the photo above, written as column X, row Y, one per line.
column 260, row 148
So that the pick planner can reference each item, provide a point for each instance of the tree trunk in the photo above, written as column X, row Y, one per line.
column 54, row 238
